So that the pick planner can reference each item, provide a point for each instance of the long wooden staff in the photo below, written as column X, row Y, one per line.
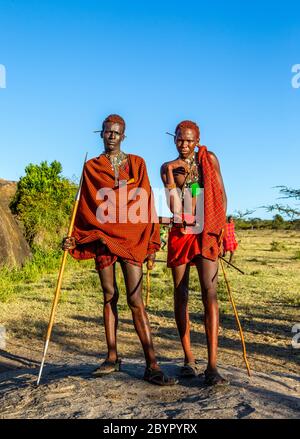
column 231, row 265
column 232, row 301
column 149, row 268
column 60, row 276
column 236, row 318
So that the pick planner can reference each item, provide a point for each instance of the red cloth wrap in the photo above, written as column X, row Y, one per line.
column 229, row 241
column 182, row 248
column 125, row 240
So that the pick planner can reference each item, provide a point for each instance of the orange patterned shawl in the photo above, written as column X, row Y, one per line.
column 126, row 240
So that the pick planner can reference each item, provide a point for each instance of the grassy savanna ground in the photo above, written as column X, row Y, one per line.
column 267, row 298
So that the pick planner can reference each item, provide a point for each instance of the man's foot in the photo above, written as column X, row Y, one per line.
column 156, row 376
column 107, row 367
column 189, row 370
column 213, row 378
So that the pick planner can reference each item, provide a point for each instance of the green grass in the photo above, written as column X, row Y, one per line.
column 40, row 265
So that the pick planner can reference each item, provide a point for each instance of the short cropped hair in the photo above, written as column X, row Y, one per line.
column 114, row 118
column 188, row 124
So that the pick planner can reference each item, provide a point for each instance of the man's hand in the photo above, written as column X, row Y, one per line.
column 68, row 243
column 177, row 164
column 150, row 261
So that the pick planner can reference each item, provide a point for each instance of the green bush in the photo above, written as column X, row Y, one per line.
column 297, row 255
column 277, row 246
column 43, row 203
column 278, row 222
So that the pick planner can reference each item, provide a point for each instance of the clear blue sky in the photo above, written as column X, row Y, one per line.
column 225, row 64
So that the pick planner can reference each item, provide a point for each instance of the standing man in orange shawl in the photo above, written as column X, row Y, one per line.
column 187, row 175
column 107, row 229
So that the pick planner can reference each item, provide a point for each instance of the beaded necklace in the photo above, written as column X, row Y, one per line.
column 192, row 178
column 115, row 162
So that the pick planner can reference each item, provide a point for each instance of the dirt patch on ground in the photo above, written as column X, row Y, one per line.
column 68, row 390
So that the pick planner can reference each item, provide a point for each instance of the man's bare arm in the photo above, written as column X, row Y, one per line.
column 173, row 198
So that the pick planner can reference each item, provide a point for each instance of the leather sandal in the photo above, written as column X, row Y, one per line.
column 214, row 379
column 156, row 376
column 189, row 370
column 107, row 367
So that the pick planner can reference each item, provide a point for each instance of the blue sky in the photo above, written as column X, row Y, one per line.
column 225, row 64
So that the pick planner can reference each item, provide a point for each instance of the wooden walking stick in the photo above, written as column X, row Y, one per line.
column 60, row 276
column 220, row 239
column 149, row 268
column 231, row 265
column 236, row 318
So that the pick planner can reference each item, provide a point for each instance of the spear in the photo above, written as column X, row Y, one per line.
column 60, row 276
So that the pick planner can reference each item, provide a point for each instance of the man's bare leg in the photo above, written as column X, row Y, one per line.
column 181, row 295
column 110, row 312
column 133, row 276
column 208, row 277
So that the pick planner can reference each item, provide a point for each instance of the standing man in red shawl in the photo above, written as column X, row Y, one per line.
column 188, row 173
column 229, row 242
column 104, row 231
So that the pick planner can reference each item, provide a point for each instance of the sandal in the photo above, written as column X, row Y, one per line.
column 107, row 367
column 189, row 370
column 215, row 379
column 156, row 376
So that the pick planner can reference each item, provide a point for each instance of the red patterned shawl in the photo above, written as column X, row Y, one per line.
column 214, row 213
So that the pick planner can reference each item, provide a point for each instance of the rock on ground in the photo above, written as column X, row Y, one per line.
column 14, row 248
column 67, row 390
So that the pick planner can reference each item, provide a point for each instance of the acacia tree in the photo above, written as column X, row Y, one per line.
column 288, row 193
